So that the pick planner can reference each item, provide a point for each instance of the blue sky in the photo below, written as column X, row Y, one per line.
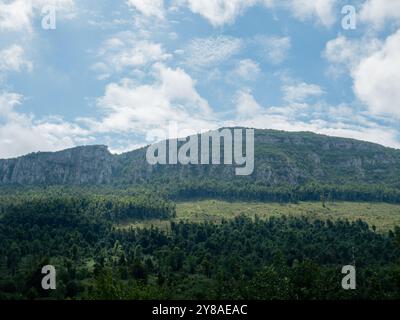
column 127, row 72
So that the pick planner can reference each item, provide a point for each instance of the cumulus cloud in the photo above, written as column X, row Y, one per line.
column 149, row 8
column 378, row 12
column 21, row 133
column 125, row 51
column 341, row 120
column 246, row 106
column 373, row 66
column 13, row 59
column 17, row 15
column 321, row 10
column 377, row 78
column 349, row 53
column 221, row 12
column 172, row 97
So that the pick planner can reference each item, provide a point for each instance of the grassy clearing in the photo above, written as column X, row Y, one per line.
column 383, row 216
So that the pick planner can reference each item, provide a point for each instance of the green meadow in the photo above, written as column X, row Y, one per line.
column 381, row 215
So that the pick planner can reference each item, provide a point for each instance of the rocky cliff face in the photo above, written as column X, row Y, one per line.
column 280, row 158
column 77, row 166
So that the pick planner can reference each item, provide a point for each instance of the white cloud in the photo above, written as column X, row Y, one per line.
column 133, row 108
column 17, row 15
column 21, row 133
column 221, row 12
column 13, row 59
column 322, row 10
column 274, row 49
column 341, row 121
column 378, row 12
column 377, row 78
column 300, row 92
column 246, row 106
column 203, row 52
column 67, row 7
column 149, row 8
column 373, row 66
column 349, row 53
column 124, row 51
column 246, row 69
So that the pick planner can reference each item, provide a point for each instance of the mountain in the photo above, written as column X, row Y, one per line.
column 281, row 158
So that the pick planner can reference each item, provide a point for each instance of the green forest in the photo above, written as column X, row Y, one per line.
column 300, row 258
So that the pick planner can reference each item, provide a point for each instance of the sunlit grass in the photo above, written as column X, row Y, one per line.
column 381, row 215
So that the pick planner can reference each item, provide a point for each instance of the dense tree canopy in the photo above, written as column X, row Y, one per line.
column 280, row 258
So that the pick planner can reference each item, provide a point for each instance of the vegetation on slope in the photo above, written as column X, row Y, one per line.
column 241, row 258
column 277, row 259
column 382, row 217
column 281, row 159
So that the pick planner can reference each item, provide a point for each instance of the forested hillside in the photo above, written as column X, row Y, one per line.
column 281, row 158
column 278, row 258
column 75, row 210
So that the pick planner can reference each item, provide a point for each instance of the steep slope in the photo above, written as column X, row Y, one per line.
column 82, row 165
column 280, row 158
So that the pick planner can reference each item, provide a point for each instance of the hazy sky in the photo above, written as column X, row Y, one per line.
column 114, row 71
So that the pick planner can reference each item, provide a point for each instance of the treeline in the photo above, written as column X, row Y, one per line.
column 248, row 191
column 281, row 258
column 56, row 209
column 160, row 190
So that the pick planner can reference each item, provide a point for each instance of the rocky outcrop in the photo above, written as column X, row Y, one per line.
column 77, row 166
column 280, row 158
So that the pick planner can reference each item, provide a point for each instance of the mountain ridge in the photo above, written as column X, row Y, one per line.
column 281, row 157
